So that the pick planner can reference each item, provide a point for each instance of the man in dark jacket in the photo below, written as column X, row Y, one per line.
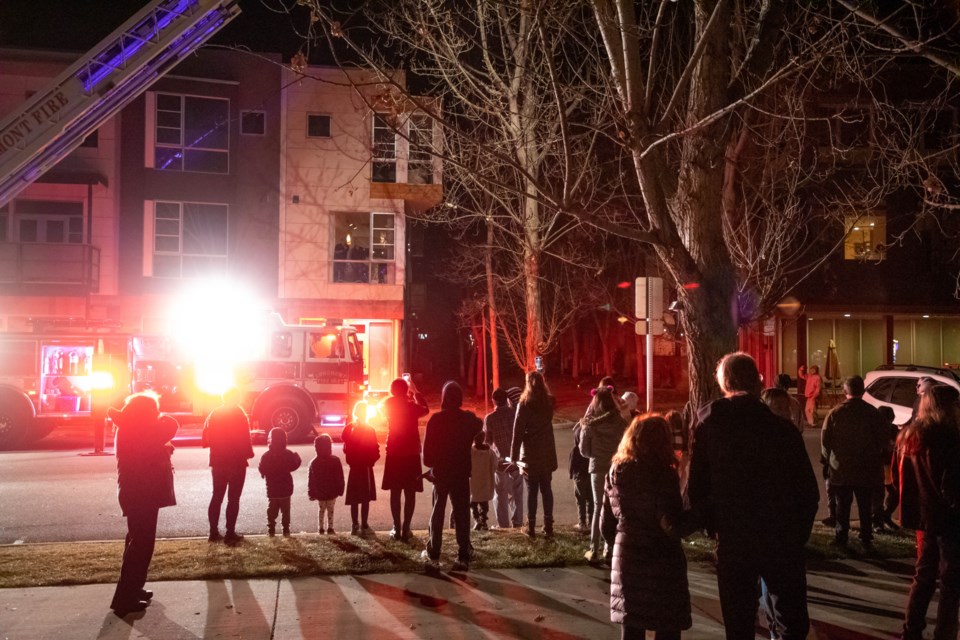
column 227, row 433
column 852, row 445
column 446, row 451
column 752, row 486
column 508, row 487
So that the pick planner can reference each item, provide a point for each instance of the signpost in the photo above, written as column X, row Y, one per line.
column 648, row 308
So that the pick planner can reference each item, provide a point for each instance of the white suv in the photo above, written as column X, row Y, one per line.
column 895, row 386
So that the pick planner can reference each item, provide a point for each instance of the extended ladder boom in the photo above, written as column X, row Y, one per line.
column 53, row 122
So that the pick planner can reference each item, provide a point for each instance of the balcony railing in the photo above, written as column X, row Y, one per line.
column 50, row 264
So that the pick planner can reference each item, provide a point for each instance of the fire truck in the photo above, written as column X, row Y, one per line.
column 299, row 376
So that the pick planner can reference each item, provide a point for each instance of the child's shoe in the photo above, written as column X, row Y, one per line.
column 355, row 529
column 286, row 532
column 272, row 531
column 331, row 532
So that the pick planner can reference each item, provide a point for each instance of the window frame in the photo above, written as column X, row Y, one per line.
column 380, row 159
column 370, row 261
column 246, row 112
column 314, row 114
column 11, row 217
column 417, row 157
column 157, row 144
column 180, row 253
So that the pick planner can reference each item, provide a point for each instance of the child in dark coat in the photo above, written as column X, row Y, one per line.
column 325, row 481
column 361, row 449
column 276, row 467
column 582, row 487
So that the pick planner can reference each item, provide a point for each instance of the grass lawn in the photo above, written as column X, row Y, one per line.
column 51, row 564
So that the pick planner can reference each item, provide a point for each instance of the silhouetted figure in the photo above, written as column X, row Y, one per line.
column 534, row 450
column 508, row 491
column 582, row 484
column 483, row 469
column 276, row 467
column 145, row 485
column 886, row 499
column 325, row 481
column 361, row 450
column 643, row 512
column 752, row 486
column 227, row 433
column 928, row 460
column 401, row 468
column 446, row 451
column 852, row 442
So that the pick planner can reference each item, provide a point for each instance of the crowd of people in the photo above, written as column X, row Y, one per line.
column 737, row 469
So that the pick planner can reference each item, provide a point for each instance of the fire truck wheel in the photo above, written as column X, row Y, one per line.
column 15, row 423
column 290, row 414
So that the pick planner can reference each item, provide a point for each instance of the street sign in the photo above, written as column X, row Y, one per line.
column 649, row 298
column 649, row 327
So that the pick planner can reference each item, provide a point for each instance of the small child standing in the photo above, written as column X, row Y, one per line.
column 325, row 481
column 276, row 467
column 887, row 498
column 361, row 449
column 582, row 485
column 483, row 469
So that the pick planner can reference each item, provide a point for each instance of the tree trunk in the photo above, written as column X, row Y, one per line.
column 492, row 311
column 531, row 275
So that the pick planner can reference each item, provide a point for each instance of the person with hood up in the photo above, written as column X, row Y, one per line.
column 401, row 468
column 276, row 467
column 628, row 405
column 447, row 444
column 325, row 481
column 602, row 432
column 145, row 485
column 534, row 449
column 483, row 469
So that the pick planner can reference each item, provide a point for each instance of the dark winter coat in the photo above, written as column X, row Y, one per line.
column 648, row 581
column 578, row 464
column 449, row 437
column 403, row 433
column 533, row 445
column 361, row 449
column 750, row 476
column 143, row 450
column 600, row 439
column 277, row 466
column 852, row 443
column 325, row 478
column 929, row 482
column 227, row 433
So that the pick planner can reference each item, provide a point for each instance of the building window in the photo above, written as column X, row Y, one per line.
column 50, row 221
column 364, row 248
column 866, row 238
column 192, row 134
column 420, row 161
column 384, row 150
column 253, row 123
column 189, row 239
column 318, row 126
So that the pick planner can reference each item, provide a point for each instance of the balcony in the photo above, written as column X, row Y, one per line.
column 30, row 264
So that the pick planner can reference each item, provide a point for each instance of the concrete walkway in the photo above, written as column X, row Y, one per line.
column 848, row 601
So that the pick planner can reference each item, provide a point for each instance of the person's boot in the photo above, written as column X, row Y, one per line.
column 271, row 530
column 531, row 529
column 548, row 528
column 286, row 531
column 214, row 536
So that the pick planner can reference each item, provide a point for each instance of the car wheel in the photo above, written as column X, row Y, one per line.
column 15, row 424
column 290, row 414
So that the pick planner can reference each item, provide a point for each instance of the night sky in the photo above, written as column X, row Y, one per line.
column 77, row 25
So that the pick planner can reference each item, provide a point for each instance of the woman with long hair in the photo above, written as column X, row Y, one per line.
column 927, row 469
column 534, row 450
column 603, row 428
column 401, row 467
column 643, row 509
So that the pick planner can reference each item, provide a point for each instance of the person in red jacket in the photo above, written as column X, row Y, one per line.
column 227, row 433
column 927, row 472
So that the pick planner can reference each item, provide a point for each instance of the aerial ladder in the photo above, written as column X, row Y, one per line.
column 53, row 122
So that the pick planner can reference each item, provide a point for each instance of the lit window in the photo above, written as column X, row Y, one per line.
column 420, row 162
column 384, row 150
column 189, row 239
column 192, row 134
column 865, row 238
column 318, row 126
column 364, row 248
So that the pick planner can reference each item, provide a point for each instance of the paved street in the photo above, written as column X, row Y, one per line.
column 57, row 494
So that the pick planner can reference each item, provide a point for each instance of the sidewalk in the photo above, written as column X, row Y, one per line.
column 848, row 601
